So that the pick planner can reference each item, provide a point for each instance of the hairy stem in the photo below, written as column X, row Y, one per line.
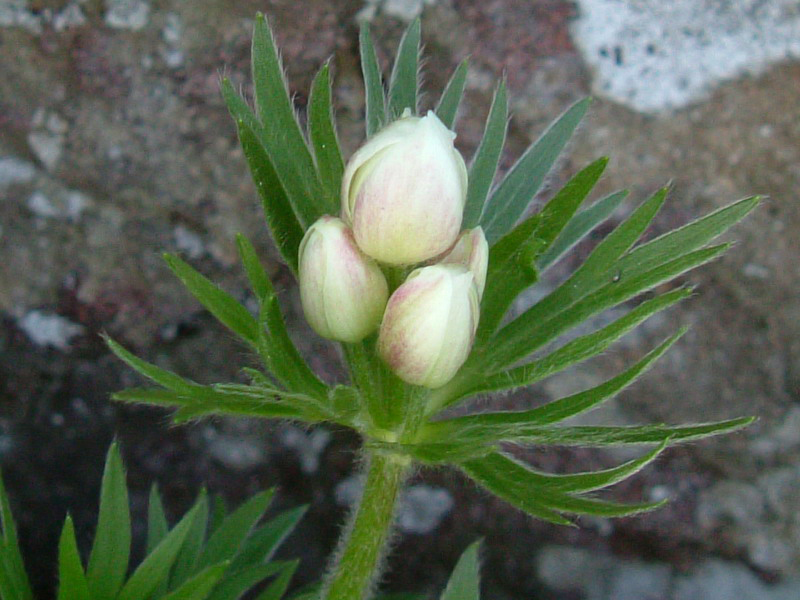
column 363, row 543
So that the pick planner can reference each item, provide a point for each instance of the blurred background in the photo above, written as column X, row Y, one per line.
column 115, row 146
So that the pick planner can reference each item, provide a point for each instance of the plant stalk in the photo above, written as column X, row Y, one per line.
column 363, row 544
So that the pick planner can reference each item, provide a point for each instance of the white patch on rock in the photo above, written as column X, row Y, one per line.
column 47, row 329
column 189, row 242
column 66, row 205
column 127, row 14
column 723, row 580
column 308, row 445
column 70, row 16
column 172, row 33
column 14, row 171
column 653, row 56
column 15, row 13
column 46, row 137
column 405, row 10
column 422, row 508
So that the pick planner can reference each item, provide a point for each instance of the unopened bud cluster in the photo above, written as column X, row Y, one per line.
column 403, row 196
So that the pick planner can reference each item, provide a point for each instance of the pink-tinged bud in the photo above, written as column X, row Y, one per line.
column 472, row 251
column 342, row 290
column 403, row 192
column 429, row 325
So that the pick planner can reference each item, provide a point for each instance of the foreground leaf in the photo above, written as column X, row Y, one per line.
column 13, row 578
column 579, row 226
column 322, row 131
column 283, row 138
column 464, row 583
column 219, row 303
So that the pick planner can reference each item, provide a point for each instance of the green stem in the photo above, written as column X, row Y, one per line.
column 364, row 541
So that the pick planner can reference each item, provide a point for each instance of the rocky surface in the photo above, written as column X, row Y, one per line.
column 115, row 146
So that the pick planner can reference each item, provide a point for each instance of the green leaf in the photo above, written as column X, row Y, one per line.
column 14, row 583
column 464, row 583
column 193, row 544
column 157, row 527
column 590, row 436
column 108, row 562
column 225, row 542
column 551, row 412
column 281, row 356
column 581, row 348
column 519, row 486
column 233, row 585
column 487, row 157
column 520, row 185
column 165, row 378
column 283, row 222
column 283, row 138
column 404, row 81
column 592, row 480
column 155, row 567
column 373, row 84
column 579, row 226
column 322, row 131
column 556, row 213
column 447, row 109
column 201, row 585
column 512, row 259
column 72, row 583
column 265, row 540
column 682, row 241
column 259, row 280
column 219, row 303
column 593, row 273
column 278, row 588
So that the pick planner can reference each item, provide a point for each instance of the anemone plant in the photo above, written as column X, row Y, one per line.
column 401, row 407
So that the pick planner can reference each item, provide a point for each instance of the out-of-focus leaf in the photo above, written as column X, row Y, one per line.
column 404, row 81
column 200, row 585
column 108, row 562
column 464, row 583
column 373, row 84
column 72, row 583
column 447, row 109
column 520, row 185
column 487, row 156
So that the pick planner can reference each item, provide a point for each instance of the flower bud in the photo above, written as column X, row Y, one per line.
column 472, row 251
column 429, row 325
column 343, row 292
column 403, row 192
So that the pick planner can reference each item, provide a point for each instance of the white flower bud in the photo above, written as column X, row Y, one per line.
column 472, row 251
column 343, row 291
column 403, row 192
column 429, row 325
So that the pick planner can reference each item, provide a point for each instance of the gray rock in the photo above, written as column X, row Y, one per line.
column 308, row 445
column 721, row 580
column 652, row 55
